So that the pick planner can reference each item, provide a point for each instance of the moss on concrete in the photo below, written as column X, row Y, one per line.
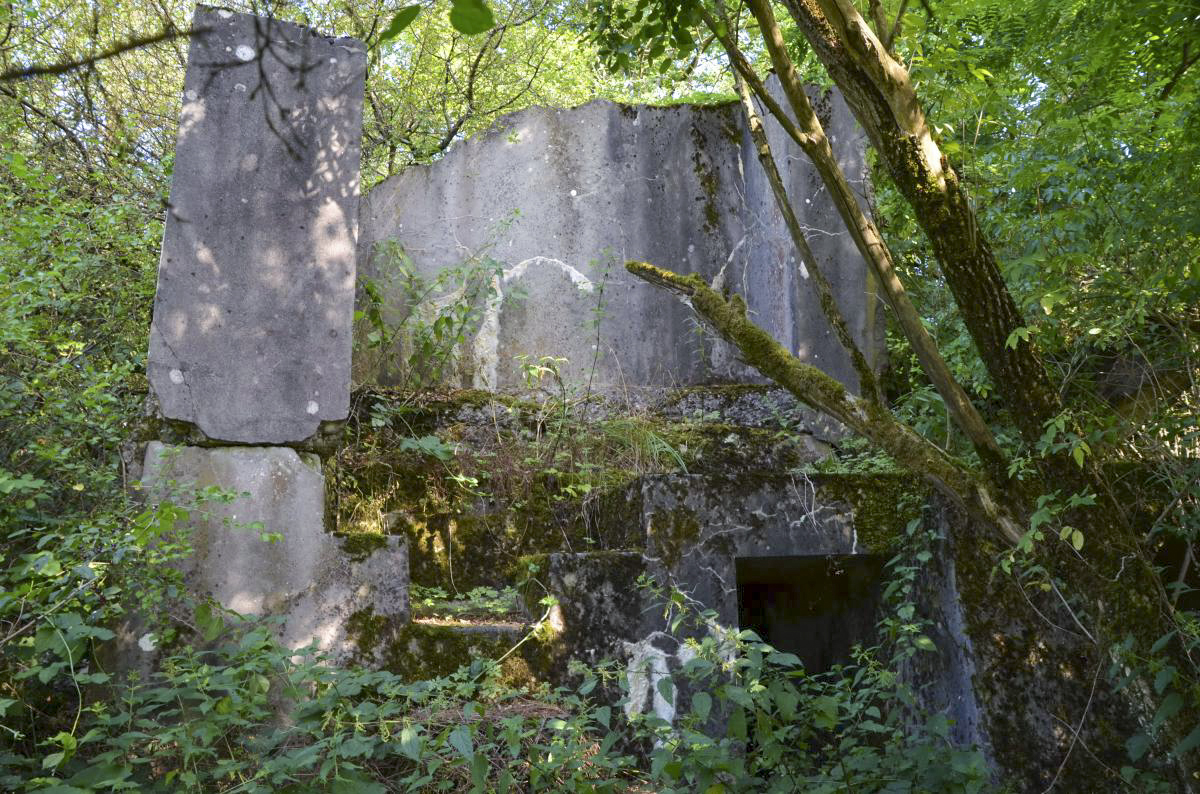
column 599, row 606
column 882, row 504
column 709, row 183
column 361, row 545
column 420, row 651
column 673, row 532
column 728, row 390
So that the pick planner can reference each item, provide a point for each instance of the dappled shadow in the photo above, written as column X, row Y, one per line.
column 251, row 332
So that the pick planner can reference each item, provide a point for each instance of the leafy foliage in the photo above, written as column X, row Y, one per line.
column 1075, row 126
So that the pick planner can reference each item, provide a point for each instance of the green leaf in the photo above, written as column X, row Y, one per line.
column 1017, row 336
column 1137, row 746
column 410, row 743
column 825, row 712
column 100, row 776
column 924, row 643
column 471, row 16
column 1164, row 677
column 355, row 782
column 479, row 771
column 737, row 724
column 1188, row 743
column 1077, row 540
column 460, row 739
column 209, row 622
column 356, row 747
column 403, row 18
column 701, row 705
column 739, row 696
column 68, row 744
column 1170, row 706
column 666, row 688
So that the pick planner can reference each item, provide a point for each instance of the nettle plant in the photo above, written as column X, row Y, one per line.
column 229, row 709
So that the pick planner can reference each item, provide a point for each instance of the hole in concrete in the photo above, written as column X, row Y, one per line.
column 817, row 607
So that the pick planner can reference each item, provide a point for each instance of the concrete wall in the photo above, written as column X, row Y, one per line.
column 560, row 199
column 251, row 336
column 252, row 317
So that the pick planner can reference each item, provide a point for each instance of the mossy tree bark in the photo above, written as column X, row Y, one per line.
column 868, row 384
column 822, row 392
column 1102, row 606
column 1109, row 588
column 878, row 89
column 880, row 93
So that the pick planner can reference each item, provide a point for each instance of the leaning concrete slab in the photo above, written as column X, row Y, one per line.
column 304, row 575
column 252, row 319
column 557, row 200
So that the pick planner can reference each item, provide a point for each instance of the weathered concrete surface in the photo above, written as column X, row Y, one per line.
column 306, row 576
column 599, row 605
column 696, row 526
column 252, row 319
column 561, row 198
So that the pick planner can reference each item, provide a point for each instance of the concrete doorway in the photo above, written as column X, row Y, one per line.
column 817, row 607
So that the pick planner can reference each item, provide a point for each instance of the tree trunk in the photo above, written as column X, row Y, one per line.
column 878, row 90
column 822, row 392
column 810, row 135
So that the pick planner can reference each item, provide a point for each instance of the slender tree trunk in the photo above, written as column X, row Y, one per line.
column 822, row 392
column 1120, row 593
column 868, row 383
column 878, row 90
column 810, row 135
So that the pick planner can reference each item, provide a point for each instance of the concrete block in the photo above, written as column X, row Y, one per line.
column 252, row 319
column 305, row 576
column 560, row 199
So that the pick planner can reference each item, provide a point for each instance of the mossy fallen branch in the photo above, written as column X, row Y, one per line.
column 822, row 392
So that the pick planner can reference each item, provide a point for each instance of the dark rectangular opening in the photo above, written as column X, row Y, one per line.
column 817, row 607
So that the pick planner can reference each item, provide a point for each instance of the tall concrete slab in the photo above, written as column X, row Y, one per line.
column 265, row 552
column 252, row 319
column 559, row 199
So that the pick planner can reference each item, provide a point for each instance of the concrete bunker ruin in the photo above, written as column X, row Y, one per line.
column 251, row 369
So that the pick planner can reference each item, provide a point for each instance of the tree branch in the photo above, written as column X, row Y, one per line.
column 867, row 382
column 897, row 26
column 167, row 34
column 1185, row 63
column 67, row 131
column 810, row 136
column 824, row 393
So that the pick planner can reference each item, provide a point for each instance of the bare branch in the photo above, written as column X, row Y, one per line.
column 897, row 26
column 1185, row 63
column 67, row 131
column 166, row 34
